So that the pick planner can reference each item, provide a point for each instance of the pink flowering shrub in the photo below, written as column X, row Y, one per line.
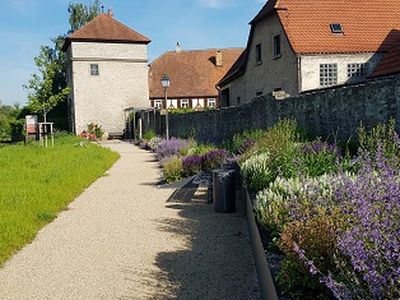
column 88, row 136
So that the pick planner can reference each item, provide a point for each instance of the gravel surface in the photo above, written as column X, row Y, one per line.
column 120, row 239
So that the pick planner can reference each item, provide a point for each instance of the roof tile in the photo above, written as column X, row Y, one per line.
column 366, row 24
column 192, row 73
column 105, row 28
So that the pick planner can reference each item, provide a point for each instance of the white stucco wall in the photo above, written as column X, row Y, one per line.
column 122, row 83
column 310, row 67
column 109, row 50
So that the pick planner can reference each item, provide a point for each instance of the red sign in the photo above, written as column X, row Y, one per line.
column 31, row 124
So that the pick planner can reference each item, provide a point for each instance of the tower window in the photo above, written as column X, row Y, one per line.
column 94, row 70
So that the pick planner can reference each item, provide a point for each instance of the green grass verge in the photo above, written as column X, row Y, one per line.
column 37, row 183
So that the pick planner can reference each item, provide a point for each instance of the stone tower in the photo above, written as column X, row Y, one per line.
column 107, row 73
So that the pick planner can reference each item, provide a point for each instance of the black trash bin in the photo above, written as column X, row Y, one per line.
column 224, row 194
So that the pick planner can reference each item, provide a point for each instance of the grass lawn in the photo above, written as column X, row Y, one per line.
column 37, row 183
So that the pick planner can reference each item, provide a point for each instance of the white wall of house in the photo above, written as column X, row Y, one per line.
column 310, row 68
column 122, row 82
column 288, row 74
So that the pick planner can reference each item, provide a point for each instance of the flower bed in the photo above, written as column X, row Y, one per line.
column 332, row 220
column 183, row 158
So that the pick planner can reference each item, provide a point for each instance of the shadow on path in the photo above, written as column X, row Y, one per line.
column 216, row 262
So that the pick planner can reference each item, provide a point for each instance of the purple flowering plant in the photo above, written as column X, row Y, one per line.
column 318, row 158
column 214, row 159
column 192, row 164
column 368, row 244
column 171, row 147
column 372, row 241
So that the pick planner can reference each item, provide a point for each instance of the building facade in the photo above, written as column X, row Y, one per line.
column 298, row 46
column 107, row 73
column 193, row 75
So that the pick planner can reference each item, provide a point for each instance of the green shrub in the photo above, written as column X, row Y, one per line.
column 287, row 199
column 278, row 139
column 318, row 158
column 317, row 238
column 200, row 149
column 236, row 145
column 173, row 170
column 154, row 143
column 256, row 172
column 149, row 135
column 17, row 130
column 382, row 138
column 184, row 151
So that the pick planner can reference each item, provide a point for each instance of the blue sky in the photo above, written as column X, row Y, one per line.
column 196, row 24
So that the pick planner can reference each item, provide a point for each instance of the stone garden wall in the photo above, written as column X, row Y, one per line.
column 334, row 113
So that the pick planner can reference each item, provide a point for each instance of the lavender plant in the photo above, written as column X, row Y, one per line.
column 318, row 158
column 372, row 242
column 168, row 148
column 214, row 159
column 192, row 164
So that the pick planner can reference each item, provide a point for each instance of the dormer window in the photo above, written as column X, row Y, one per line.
column 336, row 28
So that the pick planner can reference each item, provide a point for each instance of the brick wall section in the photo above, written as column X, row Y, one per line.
column 332, row 113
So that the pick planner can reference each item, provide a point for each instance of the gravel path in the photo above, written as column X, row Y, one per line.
column 120, row 239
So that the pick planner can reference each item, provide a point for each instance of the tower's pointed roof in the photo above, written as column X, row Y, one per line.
column 104, row 28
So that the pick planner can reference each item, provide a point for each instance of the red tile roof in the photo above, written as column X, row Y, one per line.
column 390, row 63
column 192, row 73
column 366, row 24
column 105, row 28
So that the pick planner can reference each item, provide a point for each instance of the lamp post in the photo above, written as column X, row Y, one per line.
column 165, row 82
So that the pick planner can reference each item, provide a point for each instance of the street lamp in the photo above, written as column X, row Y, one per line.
column 165, row 82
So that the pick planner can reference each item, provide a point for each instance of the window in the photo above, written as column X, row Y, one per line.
column 357, row 70
column 158, row 104
column 211, row 102
column 327, row 75
column 238, row 100
column 94, row 70
column 258, row 54
column 277, row 45
column 336, row 28
column 185, row 103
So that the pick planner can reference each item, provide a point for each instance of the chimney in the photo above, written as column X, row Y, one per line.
column 178, row 47
column 219, row 59
column 110, row 13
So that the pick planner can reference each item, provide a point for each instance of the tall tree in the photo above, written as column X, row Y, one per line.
column 80, row 14
column 47, row 88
